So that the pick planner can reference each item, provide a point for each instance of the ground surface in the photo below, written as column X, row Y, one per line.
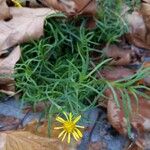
column 98, row 135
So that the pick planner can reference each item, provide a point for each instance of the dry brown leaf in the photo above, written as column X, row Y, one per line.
column 4, row 10
column 33, row 138
column 70, row 7
column 7, row 64
column 62, row 5
column 87, row 7
column 145, row 10
column 113, row 73
column 146, row 80
column 139, row 28
column 8, row 123
column 139, row 118
column 7, row 69
column 74, row 7
column 23, row 140
column 122, row 56
column 116, row 73
column 26, row 25
column 41, row 129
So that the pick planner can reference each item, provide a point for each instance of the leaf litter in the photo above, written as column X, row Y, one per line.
column 21, row 25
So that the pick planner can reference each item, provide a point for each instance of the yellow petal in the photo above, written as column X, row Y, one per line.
column 61, row 133
column 57, row 128
column 79, row 132
column 64, row 136
column 75, row 136
column 66, row 115
column 77, row 119
column 68, row 138
column 61, row 120
column 82, row 127
column 70, row 116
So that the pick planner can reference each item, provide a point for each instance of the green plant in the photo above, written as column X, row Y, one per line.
column 59, row 68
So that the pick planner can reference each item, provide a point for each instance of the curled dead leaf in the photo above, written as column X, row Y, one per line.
column 26, row 25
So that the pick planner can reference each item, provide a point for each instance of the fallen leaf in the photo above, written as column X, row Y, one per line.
column 139, row 117
column 138, row 28
column 34, row 137
column 26, row 25
column 23, row 140
column 145, row 10
column 7, row 69
column 122, row 56
column 4, row 10
column 41, row 129
column 146, row 80
column 116, row 73
column 74, row 7
column 112, row 73
column 8, row 123
column 86, row 7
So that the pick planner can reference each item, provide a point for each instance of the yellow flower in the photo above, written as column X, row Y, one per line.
column 69, row 127
column 17, row 3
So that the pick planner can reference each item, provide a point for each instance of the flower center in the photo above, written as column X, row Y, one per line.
column 69, row 126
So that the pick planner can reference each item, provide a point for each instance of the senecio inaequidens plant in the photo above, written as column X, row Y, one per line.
column 58, row 67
